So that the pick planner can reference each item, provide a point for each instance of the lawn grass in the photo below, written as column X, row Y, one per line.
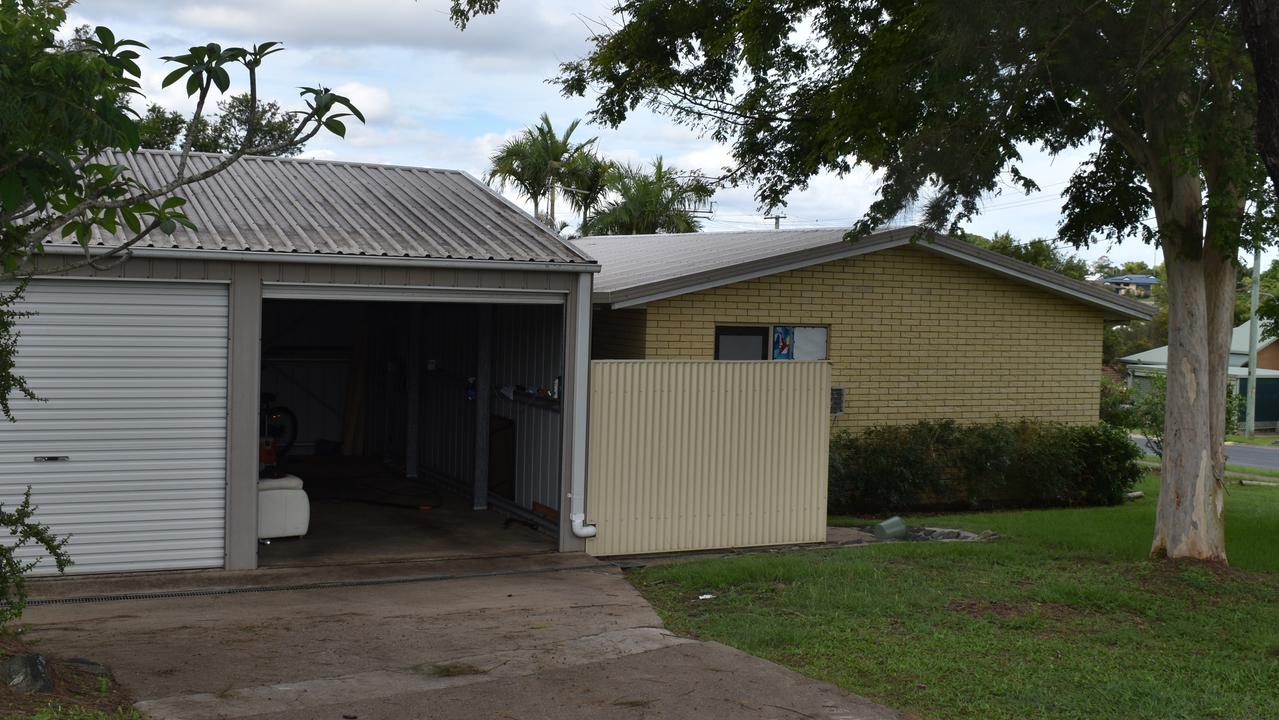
column 1246, row 470
column 1063, row 617
column 1123, row 532
column 1257, row 439
column 1239, row 469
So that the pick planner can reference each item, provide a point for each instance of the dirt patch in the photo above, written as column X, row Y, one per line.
column 984, row 608
column 75, row 685
column 1004, row 609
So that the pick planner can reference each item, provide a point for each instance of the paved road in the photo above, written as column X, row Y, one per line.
column 1258, row 456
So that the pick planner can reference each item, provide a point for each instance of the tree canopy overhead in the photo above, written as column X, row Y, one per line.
column 65, row 105
column 940, row 97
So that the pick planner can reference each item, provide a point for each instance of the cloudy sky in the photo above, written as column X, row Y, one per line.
column 438, row 97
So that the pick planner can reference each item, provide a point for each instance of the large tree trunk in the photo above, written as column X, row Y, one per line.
column 1188, row 523
column 1219, row 287
column 1261, row 30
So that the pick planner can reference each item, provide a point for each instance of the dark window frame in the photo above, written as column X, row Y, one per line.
column 764, row 332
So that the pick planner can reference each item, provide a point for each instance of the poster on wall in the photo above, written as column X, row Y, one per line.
column 783, row 342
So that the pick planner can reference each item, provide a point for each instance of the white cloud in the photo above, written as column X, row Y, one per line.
column 374, row 102
column 439, row 97
column 548, row 29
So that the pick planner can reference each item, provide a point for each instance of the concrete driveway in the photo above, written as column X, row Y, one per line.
column 549, row 636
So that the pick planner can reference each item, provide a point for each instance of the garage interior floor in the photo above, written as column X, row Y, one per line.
column 362, row 511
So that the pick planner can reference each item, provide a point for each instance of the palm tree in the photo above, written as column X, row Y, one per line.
column 586, row 183
column 515, row 163
column 531, row 160
column 662, row 200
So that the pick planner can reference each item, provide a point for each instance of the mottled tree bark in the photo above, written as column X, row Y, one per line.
column 1219, row 286
column 1189, row 521
column 1261, row 31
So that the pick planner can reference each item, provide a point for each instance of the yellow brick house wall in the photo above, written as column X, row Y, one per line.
column 912, row 336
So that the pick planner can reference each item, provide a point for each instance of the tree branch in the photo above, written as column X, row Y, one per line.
column 121, row 251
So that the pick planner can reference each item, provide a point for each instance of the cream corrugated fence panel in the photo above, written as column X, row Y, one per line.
column 693, row 455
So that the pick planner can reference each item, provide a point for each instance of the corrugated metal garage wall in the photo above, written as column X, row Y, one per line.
column 528, row 350
column 312, row 346
column 306, row 353
column 447, row 362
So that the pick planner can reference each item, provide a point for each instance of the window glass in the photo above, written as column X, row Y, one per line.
column 809, row 343
column 741, row 343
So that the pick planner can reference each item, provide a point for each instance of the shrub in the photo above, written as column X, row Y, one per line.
column 1149, row 410
column 935, row 465
column 1118, row 403
column 24, row 531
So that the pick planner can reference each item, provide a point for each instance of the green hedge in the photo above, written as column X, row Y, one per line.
column 935, row 465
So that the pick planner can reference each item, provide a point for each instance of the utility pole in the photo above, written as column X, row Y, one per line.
column 777, row 220
column 1250, row 423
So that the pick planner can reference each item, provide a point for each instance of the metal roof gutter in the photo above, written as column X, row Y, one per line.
column 336, row 259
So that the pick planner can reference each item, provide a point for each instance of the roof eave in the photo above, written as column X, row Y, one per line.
column 1115, row 309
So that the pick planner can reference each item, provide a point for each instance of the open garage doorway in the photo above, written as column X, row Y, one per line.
column 408, row 430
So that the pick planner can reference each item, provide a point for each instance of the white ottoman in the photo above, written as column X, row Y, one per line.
column 284, row 510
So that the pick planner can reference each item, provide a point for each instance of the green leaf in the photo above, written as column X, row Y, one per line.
column 105, row 36
column 131, row 220
column 221, row 78
column 194, row 83
column 174, row 76
column 11, row 192
column 168, row 226
column 335, row 126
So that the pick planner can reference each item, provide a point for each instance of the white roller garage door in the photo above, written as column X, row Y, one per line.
column 127, row 452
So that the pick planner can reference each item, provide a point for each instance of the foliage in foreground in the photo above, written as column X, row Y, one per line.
column 936, row 464
column 24, row 532
column 65, row 110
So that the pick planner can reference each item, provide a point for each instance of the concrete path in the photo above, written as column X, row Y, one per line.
column 539, row 642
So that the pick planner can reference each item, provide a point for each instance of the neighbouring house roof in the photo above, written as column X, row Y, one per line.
column 638, row 269
column 1132, row 280
column 1234, row 372
column 322, row 208
column 1238, row 350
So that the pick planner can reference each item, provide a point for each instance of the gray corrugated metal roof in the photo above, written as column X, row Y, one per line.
column 316, row 207
column 1239, row 338
column 1236, row 372
column 643, row 268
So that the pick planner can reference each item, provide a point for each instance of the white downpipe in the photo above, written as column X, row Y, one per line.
column 581, row 369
